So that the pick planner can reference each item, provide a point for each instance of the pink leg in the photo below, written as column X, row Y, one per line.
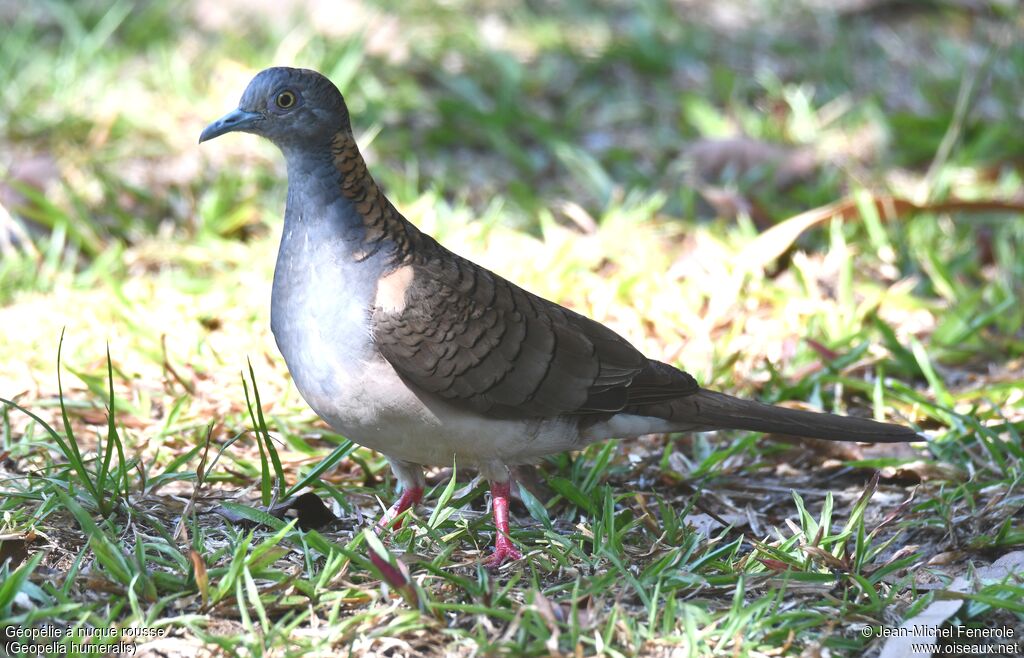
column 410, row 496
column 504, row 551
column 410, row 476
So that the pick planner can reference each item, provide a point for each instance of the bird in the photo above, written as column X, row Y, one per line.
column 409, row 349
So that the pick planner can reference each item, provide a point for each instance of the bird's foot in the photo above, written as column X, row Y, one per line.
column 504, row 552
column 408, row 498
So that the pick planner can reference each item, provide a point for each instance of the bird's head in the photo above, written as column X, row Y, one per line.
column 290, row 107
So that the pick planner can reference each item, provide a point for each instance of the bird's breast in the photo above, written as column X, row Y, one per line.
column 319, row 313
column 320, row 317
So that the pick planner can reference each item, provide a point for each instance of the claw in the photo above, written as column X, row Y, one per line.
column 504, row 552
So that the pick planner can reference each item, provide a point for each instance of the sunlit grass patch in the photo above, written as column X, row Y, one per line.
column 628, row 162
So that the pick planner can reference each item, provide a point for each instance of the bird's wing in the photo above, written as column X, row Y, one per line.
column 457, row 330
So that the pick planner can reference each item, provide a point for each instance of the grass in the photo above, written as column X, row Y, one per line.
column 652, row 161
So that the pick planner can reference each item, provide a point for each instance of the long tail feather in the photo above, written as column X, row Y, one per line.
column 711, row 409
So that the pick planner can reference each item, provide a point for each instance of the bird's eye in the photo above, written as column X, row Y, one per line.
column 285, row 100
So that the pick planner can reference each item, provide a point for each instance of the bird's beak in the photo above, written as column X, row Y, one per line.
column 234, row 120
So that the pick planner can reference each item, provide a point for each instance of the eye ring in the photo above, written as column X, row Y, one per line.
column 285, row 100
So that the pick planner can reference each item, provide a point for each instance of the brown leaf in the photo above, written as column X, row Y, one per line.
column 923, row 470
column 826, row 558
column 548, row 611
column 823, row 351
column 776, row 241
column 312, row 513
column 946, row 558
column 101, row 417
column 731, row 203
column 774, row 565
column 13, row 548
column 202, row 579
column 586, row 611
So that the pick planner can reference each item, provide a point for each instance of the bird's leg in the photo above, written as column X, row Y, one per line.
column 409, row 497
column 504, row 551
column 410, row 477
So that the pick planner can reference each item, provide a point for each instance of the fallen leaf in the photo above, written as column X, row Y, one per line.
column 199, row 570
column 703, row 524
column 826, row 558
column 312, row 513
column 774, row 565
column 946, row 557
column 923, row 470
column 13, row 548
column 763, row 250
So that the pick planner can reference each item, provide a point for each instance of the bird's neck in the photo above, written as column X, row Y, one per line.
column 338, row 181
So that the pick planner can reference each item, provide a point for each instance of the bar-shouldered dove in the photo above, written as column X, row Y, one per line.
column 411, row 350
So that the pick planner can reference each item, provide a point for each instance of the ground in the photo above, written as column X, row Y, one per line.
column 813, row 204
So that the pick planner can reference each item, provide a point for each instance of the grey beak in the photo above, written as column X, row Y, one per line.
column 237, row 119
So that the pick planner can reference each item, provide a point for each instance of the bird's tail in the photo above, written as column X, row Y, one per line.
column 713, row 410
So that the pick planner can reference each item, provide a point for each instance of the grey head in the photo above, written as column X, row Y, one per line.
column 294, row 108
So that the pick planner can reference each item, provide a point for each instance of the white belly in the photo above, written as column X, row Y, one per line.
column 376, row 409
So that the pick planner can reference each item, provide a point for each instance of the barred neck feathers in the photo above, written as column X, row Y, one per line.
column 384, row 227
